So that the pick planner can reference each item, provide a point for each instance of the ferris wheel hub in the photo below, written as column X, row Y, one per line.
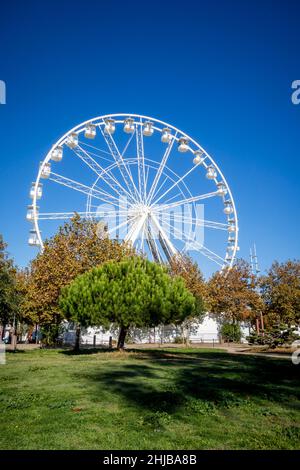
column 139, row 210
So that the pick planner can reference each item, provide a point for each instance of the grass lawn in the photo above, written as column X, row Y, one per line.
column 148, row 399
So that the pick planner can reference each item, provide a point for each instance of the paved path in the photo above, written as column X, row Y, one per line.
column 247, row 351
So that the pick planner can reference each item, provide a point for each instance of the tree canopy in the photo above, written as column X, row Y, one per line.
column 75, row 249
column 233, row 296
column 9, row 299
column 280, row 289
column 188, row 269
column 134, row 292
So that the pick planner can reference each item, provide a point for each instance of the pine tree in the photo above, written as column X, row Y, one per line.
column 131, row 293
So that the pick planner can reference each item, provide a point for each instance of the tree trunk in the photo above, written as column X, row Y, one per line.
column 122, row 336
column 13, row 339
column 2, row 331
column 77, row 338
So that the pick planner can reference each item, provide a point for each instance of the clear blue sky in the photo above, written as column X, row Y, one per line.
column 219, row 70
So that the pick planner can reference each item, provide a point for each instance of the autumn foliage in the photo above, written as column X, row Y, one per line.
column 75, row 249
column 233, row 295
column 280, row 290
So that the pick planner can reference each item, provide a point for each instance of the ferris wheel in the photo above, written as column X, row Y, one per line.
column 145, row 181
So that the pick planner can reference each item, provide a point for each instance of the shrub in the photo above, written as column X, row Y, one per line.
column 277, row 336
column 178, row 340
column 231, row 332
column 51, row 334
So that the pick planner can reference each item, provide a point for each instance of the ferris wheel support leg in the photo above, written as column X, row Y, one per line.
column 152, row 246
column 171, row 248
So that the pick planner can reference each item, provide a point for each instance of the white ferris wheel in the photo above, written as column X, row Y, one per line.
column 147, row 181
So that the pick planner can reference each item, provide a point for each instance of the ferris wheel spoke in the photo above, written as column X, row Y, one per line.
column 179, row 233
column 136, row 228
column 122, row 224
column 108, row 177
column 64, row 215
column 128, row 143
column 141, row 160
column 191, row 243
column 126, row 174
column 76, row 185
column 196, row 221
column 109, row 160
column 109, row 169
column 163, row 183
column 212, row 255
column 147, row 176
column 173, row 197
column 208, row 253
column 184, row 201
column 160, row 170
column 118, row 210
column 107, row 197
column 96, row 193
column 110, row 212
column 175, row 184
column 81, row 142
column 104, row 173
column 70, row 215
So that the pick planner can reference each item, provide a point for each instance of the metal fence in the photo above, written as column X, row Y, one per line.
column 159, row 335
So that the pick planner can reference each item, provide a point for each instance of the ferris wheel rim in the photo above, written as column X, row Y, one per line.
column 80, row 128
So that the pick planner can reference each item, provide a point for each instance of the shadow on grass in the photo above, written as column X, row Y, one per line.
column 17, row 351
column 85, row 351
column 172, row 378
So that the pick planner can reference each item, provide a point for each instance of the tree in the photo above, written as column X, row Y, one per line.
column 280, row 290
column 233, row 296
column 231, row 332
column 75, row 249
column 186, row 268
column 131, row 293
column 8, row 297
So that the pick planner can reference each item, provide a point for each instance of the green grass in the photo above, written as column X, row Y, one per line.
column 148, row 399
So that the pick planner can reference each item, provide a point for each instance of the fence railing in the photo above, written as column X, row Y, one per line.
column 159, row 335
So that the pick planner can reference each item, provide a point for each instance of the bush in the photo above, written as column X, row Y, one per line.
column 178, row 340
column 51, row 334
column 274, row 337
column 231, row 332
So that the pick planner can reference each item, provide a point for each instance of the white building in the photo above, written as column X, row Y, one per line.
column 205, row 332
